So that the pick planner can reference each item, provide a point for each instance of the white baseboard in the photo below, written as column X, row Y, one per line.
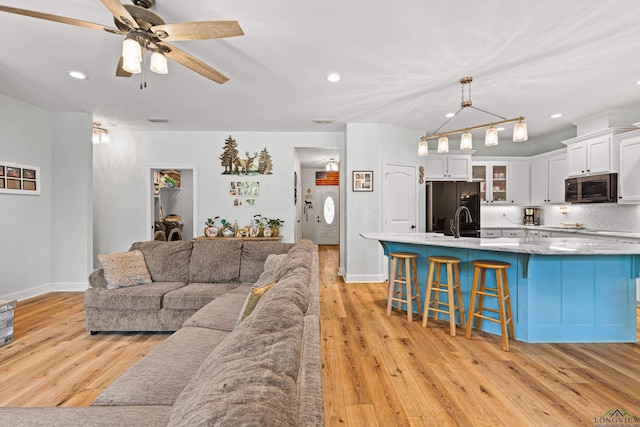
column 27, row 293
column 45, row 289
column 364, row 278
column 69, row 286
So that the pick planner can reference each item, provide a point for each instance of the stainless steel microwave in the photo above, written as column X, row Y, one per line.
column 592, row 189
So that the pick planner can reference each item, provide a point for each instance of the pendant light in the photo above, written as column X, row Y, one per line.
column 466, row 141
column 491, row 137
column 443, row 145
column 423, row 147
column 520, row 132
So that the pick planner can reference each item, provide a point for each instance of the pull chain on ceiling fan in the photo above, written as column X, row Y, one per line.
column 146, row 31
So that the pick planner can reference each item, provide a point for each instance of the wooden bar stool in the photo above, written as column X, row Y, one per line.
column 451, row 287
column 405, row 274
column 501, row 292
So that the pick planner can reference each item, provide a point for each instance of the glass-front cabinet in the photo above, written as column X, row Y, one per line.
column 493, row 180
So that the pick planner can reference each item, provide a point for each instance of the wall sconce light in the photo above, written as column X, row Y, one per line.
column 100, row 134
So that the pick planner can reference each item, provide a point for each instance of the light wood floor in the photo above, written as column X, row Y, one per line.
column 378, row 370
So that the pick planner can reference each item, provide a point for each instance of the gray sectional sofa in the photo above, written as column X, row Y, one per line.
column 214, row 371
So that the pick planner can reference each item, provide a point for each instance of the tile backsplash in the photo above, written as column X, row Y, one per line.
column 605, row 216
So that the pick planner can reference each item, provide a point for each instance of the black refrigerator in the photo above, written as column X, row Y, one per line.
column 444, row 197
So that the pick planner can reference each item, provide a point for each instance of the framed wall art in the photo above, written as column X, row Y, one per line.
column 362, row 180
column 19, row 179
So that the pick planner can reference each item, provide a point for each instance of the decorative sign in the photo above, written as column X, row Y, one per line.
column 327, row 178
column 234, row 165
column 19, row 179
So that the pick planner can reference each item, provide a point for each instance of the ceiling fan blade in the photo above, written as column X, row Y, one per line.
column 61, row 19
column 202, row 30
column 120, row 12
column 194, row 64
column 120, row 72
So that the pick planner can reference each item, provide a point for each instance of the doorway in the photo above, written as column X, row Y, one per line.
column 327, row 230
column 400, row 195
column 172, row 200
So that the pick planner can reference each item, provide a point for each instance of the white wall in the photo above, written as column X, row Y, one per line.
column 368, row 147
column 120, row 180
column 45, row 238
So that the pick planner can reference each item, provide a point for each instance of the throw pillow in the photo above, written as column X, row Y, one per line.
column 124, row 269
column 252, row 299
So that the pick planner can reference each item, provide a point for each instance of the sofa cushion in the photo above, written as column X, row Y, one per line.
column 215, row 261
column 195, row 295
column 221, row 313
column 271, row 266
column 166, row 261
column 254, row 255
column 251, row 377
column 124, row 269
column 143, row 297
column 158, row 378
column 252, row 299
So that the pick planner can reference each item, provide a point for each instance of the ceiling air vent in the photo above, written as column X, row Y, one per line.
column 158, row 120
column 323, row 121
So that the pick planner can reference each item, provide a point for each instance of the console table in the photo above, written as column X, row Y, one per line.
column 253, row 239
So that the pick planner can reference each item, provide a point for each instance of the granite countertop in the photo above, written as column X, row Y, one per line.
column 537, row 246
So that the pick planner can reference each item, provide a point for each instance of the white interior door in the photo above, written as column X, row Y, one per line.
column 400, row 206
column 327, row 215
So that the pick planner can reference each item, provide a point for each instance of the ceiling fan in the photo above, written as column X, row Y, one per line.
column 145, row 30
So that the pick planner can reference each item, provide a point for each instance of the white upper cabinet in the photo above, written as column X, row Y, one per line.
column 629, row 175
column 503, row 181
column 593, row 154
column 548, row 172
column 447, row 167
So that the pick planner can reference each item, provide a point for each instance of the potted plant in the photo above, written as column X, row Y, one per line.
column 227, row 229
column 275, row 224
column 259, row 221
column 210, row 228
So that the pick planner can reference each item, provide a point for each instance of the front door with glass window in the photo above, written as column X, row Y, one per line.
column 327, row 215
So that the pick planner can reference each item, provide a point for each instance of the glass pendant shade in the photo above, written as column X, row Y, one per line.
column 520, row 132
column 443, row 144
column 96, row 138
column 466, row 141
column 131, row 56
column 159, row 63
column 332, row 165
column 491, row 137
column 423, row 147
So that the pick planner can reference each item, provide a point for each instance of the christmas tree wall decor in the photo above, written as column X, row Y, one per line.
column 234, row 165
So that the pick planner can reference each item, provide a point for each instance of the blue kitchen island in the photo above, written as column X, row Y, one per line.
column 563, row 290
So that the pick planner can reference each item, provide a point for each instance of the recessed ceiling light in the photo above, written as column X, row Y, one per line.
column 158, row 120
column 638, row 82
column 77, row 75
column 449, row 115
column 333, row 77
column 556, row 116
column 500, row 129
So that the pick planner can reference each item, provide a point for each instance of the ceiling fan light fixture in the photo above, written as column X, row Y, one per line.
column 131, row 55
column 443, row 144
column 159, row 63
column 423, row 147
column 520, row 132
column 491, row 137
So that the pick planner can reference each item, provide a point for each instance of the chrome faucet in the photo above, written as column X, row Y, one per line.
column 455, row 223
